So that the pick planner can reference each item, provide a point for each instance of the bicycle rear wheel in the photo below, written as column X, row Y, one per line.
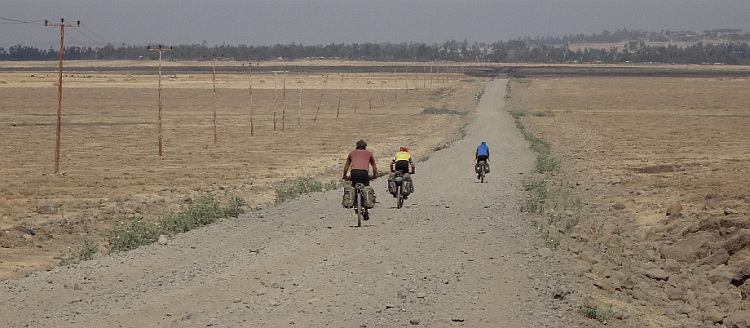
column 399, row 197
column 481, row 174
column 360, row 209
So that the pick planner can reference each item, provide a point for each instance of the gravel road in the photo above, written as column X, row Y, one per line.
column 459, row 254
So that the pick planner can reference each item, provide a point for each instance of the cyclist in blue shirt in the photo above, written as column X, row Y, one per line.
column 482, row 154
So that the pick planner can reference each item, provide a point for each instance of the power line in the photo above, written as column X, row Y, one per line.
column 94, row 33
column 4, row 20
column 96, row 42
column 96, row 39
column 76, row 40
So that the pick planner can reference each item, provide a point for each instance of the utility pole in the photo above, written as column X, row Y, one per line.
column 341, row 93
column 160, row 50
column 62, row 26
column 250, row 72
column 213, row 78
column 299, row 109
column 325, row 82
column 275, row 105
column 355, row 99
column 283, row 102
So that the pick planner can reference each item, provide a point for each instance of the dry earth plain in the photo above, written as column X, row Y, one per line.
column 458, row 254
column 656, row 156
column 659, row 156
column 304, row 118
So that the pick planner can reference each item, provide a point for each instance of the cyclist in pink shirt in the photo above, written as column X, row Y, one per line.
column 359, row 160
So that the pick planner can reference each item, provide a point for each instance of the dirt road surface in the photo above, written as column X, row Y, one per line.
column 459, row 254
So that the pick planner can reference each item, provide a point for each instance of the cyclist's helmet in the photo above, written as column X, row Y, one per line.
column 404, row 149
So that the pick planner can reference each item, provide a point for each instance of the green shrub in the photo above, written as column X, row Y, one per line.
column 441, row 111
column 197, row 213
column 537, row 144
column 200, row 212
column 235, row 207
column 546, row 113
column 517, row 114
column 308, row 185
column 538, row 193
column 546, row 163
column 548, row 197
column 132, row 235
column 520, row 126
column 551, row 238
column 553, row 200
column 591, row 309
column 300, row 187
column 84, row 253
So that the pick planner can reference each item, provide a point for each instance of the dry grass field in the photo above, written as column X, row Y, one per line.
column 304, row 124
column 664, row 161
column 654, row 141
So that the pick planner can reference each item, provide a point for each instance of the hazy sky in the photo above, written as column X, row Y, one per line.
column 313, row 22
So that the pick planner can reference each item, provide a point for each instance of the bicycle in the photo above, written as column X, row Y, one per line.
column 358, row 203
column 359, row 196
column 398, row 188
column 480, row 169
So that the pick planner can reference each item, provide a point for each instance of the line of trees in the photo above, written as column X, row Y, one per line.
column 728, row 46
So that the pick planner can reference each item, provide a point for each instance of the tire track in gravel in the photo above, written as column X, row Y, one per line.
column 459, row 253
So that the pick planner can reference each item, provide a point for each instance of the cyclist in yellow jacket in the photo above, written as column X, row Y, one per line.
column 401, row 162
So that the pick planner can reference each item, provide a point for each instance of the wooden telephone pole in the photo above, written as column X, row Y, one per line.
column 250, row 72
column 160, row 50
column 213, row 79
column 62, row 26
column 275, row 105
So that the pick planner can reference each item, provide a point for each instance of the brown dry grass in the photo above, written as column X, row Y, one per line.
column 618, row 128
column 110, row 171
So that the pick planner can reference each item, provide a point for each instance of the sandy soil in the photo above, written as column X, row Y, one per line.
column 303, row 125
column 459, row 253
